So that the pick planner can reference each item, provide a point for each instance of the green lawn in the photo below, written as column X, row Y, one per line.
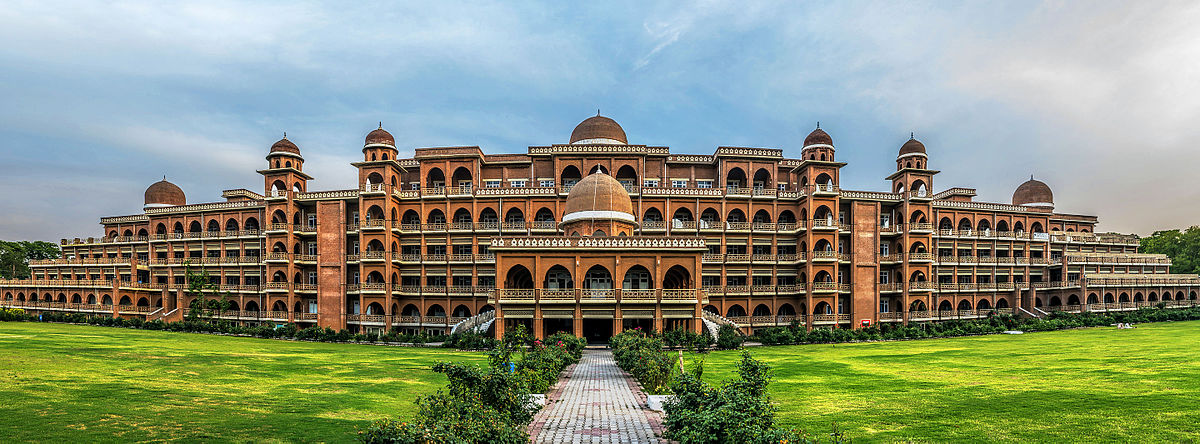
column 1088, row 385
column 70, row 383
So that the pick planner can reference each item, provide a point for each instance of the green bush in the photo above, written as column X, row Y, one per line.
column 739, row 411
column 642, row 356
column 14, row 314
column 479, row 405
column 798, row 334
column 728, row 338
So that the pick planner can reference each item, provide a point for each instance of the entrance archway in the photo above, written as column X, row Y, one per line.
column 597, row 331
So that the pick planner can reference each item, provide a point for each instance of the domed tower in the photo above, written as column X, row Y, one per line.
column 599, row 206
column 1034, row 193
column 912, row 154
column 285, row 168
column 912, row 175
column 380, row 145
column 598, row 130
column 817, row 146
column 164, row 194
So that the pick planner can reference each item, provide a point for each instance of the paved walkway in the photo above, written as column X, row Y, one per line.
column 596, row 403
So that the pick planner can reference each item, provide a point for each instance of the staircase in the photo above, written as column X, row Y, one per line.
column 1031, row 314
column 713, row 323
column 478, row 323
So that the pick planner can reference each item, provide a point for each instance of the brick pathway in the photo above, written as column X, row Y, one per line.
column 596, row 403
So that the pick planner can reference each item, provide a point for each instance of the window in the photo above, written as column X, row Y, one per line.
column 885, row 220
column 884, row 277
column 884, row 307
column 678, row 183
column 312, row 277
column 414, row 186
column 461, row 281
column 355, row 277
column 782, row 187
column 651, row 183
column 546, row 183
column 703, row 184
column 354, row 247
column 312, row 248
column 491, row 184
column 884, row 248
column 517, row 183
column 312, row 220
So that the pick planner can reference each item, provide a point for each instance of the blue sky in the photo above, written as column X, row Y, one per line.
column 1099, row 99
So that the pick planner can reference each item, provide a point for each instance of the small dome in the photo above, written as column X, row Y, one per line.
column 598, row 196
column 818, row 137
column 285, row 146
column 380, row 136
column 1034, row 193
column 599, row 129
column 164, row 194
column 912, row 146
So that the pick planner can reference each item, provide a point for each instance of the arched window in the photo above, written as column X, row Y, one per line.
column 231, row 225
column 823, row 308
column 598, row 278
column 569, row 176
column 436, row 217
column 637, row 278
column 514, row 215
column 518, row 277
column 652, row 215
column 558, row 278
column 762, row 179
column 462, row 178
column 488, row 216
column 682, row 214
column 762, row 217
column 677, row 277
column 735, row 310
column 435, row 179
column 463, row 215
column 627, row 176
column 735, row 215
column 735, row 179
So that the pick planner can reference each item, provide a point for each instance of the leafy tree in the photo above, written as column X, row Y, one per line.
column 15, row 256
column 199, row 286
column 1182, row 246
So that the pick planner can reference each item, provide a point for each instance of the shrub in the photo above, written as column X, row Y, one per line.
column 728, row 338
column 14, row 314
column 478, row 405
column 643, row 358
column 739, row 411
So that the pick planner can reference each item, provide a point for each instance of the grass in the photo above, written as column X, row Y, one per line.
column 73, row 383
column 1086, row 385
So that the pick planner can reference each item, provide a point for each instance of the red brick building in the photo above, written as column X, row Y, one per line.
column 598, row 235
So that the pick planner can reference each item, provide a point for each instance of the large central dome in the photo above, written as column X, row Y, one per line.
column 599, row 129
column 166, row 194
column 598, row 197
column 1034, row 193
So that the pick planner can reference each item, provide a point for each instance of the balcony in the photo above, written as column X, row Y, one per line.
column 825, row 256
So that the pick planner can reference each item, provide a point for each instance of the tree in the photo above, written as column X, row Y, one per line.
column 199, row 286
column 15, row 256
column 1182, row 246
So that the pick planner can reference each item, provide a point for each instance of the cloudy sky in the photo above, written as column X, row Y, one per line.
column 1099, row 99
